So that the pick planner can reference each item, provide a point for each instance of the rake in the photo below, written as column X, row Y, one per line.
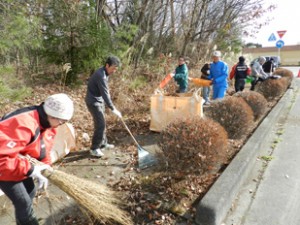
column 145, row 159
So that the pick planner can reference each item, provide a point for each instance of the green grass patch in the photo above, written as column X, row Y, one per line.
column 277, row 140
column 12, row 88
column 138, row 82
column 267, row 158
column 280, row 132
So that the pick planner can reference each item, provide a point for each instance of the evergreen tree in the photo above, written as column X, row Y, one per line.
column 73, row 35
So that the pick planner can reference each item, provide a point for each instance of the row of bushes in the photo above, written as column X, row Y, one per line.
column 196, row 145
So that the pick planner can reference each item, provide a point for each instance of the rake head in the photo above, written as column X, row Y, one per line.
column 145, row 159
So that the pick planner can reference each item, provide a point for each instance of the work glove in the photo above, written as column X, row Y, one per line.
column 158, row 91
column 36, row 173
column 172, row 74
column 117, row 113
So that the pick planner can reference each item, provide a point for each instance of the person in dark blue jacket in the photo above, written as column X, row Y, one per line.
column 269, row 66
column 239, row 72
column 205, row 70
column 181, row 75
column 218, row 74
column 97, row 97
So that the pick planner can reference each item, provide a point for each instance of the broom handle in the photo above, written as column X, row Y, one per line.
column 31, row 160
column 34, row 161
column 130, row 132
column 165, row 81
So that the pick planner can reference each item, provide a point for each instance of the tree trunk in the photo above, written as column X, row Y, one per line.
column 172, row 18
column 146, row 36
column 162, row 27
column 190, row 29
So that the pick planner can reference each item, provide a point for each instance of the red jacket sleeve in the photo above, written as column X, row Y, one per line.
column 20, row 135
column 12, row 167
column 248, row 72
column 232, row 72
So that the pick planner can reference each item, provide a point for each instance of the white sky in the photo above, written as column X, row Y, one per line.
column 285, row 17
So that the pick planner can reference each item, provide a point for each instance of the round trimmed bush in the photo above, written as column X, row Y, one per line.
column 285, row 73
column 193, row 145
column 256, row 101
column 233, row 113
column 272, row 88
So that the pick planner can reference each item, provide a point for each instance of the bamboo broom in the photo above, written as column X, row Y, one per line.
column 98, row 200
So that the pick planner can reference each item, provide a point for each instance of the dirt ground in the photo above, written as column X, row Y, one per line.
column 146, row 193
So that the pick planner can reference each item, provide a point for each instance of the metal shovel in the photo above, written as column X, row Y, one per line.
column 145, row 159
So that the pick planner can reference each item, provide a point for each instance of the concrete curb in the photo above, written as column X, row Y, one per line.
column 214, row 206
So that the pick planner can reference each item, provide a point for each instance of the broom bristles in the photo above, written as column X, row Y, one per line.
column 97, row 199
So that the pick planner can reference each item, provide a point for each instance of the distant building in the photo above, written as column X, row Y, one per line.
column 289, row 55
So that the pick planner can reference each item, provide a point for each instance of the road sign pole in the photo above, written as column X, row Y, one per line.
column 279, row 45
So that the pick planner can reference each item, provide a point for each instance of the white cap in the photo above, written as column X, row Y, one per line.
column 59, row 106
column 217, row 53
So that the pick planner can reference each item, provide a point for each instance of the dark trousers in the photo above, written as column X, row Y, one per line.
column 97, row 110
column 21, row 193
column 255, row 81
column 239, row 84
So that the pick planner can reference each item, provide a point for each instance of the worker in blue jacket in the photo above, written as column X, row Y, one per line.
column 218, row 74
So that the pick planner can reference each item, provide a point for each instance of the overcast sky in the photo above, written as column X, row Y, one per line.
column 285, row 17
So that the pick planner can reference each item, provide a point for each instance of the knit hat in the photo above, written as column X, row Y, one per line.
column 241, row 59
column 59, row 106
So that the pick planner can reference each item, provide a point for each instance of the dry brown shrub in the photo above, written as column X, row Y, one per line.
column 193, row 145
column 272, row 88
column 285, row 73
column 286, row 82
column 256, row 101
column 234, row 114
column 230, row 91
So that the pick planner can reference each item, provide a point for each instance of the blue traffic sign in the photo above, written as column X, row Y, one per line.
column 280, row 44
column 272, row 37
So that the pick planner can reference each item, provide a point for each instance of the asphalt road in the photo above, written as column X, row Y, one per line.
column 294, row 69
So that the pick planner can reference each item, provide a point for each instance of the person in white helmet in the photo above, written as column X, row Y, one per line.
column 29, row 131
column 218, row 75
column 257, row 72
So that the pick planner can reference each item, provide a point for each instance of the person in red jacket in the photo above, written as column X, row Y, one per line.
column 239, row 72
column 29, row 131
